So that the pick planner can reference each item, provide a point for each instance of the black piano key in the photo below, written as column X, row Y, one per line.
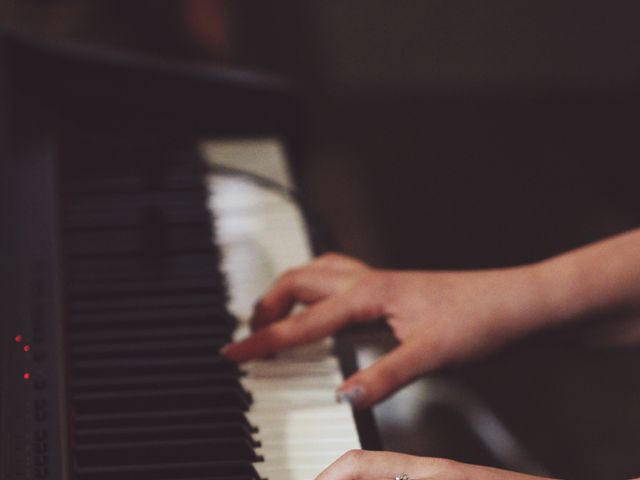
column 160, row 399
column 209, row 415
column 147, row 301
column 93, row 213
column 155, row 286
column 144, row 347
column 138, row 177
column 105, row 349
column 152, row 327
column 110, row 182
column 90, row 184
column 126, row 241
column 81, row 187
column 115, row 219
column 123, row 374
column 208, row 313
column 159, row 471
column 141, row 367
column 151, row 363
column 101, row 334
column 229, row 377
column 216, row 431
column 213, row 478
column 123, row 184
column 90, row 388
column 170, row 265
column 94, row 283
column 217, row 332
column 166, row 451
column 149, row 397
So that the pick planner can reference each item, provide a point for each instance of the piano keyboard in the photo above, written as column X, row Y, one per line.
column 147, row 307
column 301, row 427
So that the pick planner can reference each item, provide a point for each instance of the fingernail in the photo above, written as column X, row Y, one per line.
column 353, row 396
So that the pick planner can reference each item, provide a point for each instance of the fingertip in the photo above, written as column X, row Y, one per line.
column 256, row 346
column 232, row 351
column 354, row 394
column 226, row 351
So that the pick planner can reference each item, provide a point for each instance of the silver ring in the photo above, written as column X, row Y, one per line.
column 403, row 476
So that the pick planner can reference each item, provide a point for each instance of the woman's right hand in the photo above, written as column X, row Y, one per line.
column 438, row 317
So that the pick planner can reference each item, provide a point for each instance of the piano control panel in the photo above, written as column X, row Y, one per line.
column 32, row 409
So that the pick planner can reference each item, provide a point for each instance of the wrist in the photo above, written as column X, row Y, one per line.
column 555, row 291
column 582, row 283
column 536, row 298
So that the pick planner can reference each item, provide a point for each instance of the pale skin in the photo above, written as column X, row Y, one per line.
column 439, row 318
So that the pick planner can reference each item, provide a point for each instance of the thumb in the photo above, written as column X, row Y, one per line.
column 397, row 368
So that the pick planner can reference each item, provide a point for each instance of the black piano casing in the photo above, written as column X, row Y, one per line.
column 46, row 90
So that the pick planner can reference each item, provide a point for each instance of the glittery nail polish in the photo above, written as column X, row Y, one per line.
column 352, row 396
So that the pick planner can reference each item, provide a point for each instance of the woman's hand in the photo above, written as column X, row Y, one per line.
column 439, row 317
column 364, row 465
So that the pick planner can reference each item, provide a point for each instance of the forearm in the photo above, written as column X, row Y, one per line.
column 600, row 278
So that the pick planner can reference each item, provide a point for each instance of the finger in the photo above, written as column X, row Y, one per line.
column 397, row 368
column 340, row 262
column 365, row 465
column 306, row 285
column 315, row 323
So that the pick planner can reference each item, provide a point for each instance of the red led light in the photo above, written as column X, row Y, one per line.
column 26, row 376
column 18, row 338
column 26, row 348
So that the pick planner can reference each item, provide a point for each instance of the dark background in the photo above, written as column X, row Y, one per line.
column 446, row 134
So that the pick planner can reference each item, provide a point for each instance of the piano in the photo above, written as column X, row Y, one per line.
column 144, row 208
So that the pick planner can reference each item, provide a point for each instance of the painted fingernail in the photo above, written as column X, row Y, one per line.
column 353, row 396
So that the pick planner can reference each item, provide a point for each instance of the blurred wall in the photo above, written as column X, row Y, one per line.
column 445, row 134
column 473, row 133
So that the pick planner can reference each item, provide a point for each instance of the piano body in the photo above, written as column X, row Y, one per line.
column 128, row 258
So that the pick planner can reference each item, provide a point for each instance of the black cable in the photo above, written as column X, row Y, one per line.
column 320, row 233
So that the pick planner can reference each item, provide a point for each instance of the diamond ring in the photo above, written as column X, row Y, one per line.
column 403, row 476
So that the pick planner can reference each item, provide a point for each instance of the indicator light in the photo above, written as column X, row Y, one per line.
column 26, row 348
column 18, row 338
column 26, row 376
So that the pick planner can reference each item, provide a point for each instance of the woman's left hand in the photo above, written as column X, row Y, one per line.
column 365, row 465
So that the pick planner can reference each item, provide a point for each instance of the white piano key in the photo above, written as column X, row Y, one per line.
column 326, row 379
column 263, row 156
column 288, row 370
column 292, row 473
column 273, row 430
column 294, row 395
column 299, row 448
column 317, row 461
column 301, row 413
column 301, row 427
